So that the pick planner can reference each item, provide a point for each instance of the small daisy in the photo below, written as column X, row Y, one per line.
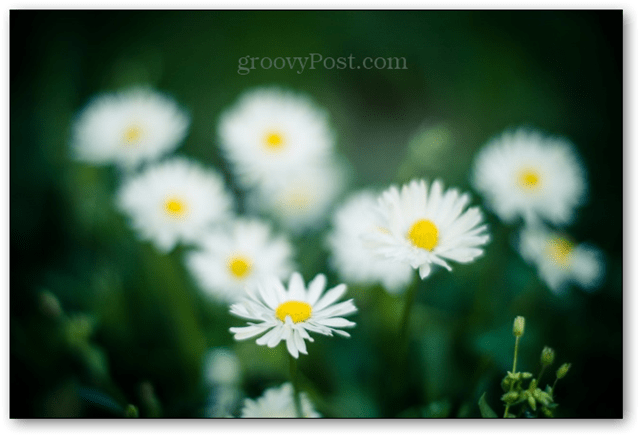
column 174, row 201
column 288, row 315
column 128, row 128
column 523, row 174
column 278, row 403
column 351, row 258
column 270, row 132
column 421, row 227
column 301, row 201
column 239, row 253
column 560, row 261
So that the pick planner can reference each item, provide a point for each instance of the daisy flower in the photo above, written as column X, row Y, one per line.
column 523, row 174
column 278, row 403
column 222, row 376
column 237, row 254
column 302, row 200
column 128, row 128
column 560, row 261
column 290, row 314
column 270, row 132
column 421, row 227
column 174, row 201
column 355, row 262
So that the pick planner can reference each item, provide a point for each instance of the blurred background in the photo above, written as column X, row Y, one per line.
column 100, row 320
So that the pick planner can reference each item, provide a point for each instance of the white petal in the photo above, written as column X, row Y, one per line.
column 331, row 296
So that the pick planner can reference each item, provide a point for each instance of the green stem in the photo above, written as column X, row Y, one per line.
column 515, row 360
column 404, row 325
column 293, row 368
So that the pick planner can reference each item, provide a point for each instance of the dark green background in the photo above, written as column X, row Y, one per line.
column 470, row 73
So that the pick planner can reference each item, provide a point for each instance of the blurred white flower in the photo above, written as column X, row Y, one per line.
column 421, row 227
column 278, row 403
column 560, row 261
column 271, row 132
column 523, row 174
column 128, row 128
column 356, row 262
column 222, row 376
column 174, row 201
column 301, row 201
column 288, row 315
column 221, row 367
column 236, row 254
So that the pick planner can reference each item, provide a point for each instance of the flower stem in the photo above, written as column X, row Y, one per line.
column 515, row 360
column 404, row 325
column 293, row 368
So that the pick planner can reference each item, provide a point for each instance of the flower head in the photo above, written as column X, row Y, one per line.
column 278, row 403
column 523, row 174
column 301, row 201
column 270, row 132
column 421, row 227
column 128, row 128
column 174, row 201
column 356, row 262
column 559, row 260
column 290, row 314
column 241, row 252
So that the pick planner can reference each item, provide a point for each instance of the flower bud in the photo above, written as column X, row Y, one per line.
column 563, row 370
column 547, row 356
column 510, row 397
column 518, row 326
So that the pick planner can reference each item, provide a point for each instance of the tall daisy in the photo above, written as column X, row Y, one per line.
column 174, row 201
column 270, row 132
column 524, row 174
column 236, row 254
column 278, row 403
column 280, row 314
column 301, row 201
column 421, row 226
column 356, row 262
column 560, row 261
column 128, row 127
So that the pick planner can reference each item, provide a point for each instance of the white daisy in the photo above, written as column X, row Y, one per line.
column 524, row 174
column 221, row 367
column 128, row 128
column 422, row 227
column 270, row 132
column 174, row 201
column 351, row 258
column 278, row 403
column 301, row 201
column 288, row 315
column 560, row 261
column 236, row 254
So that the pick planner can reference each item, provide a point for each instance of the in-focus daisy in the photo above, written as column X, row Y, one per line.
column 236, row 254
column 278, row 403
column 290, row 314
column 128, row 128
column 301, row 202
column 523, row 174
column 560, row 261
column 356, row 262
column 174, row 201
column 422, row 227
column 270, row 132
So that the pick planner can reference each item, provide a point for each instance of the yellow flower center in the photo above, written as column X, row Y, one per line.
column 132, row 135
column 559, row 250
column 274, row 141
column 299, row 311
column 239, row 266
column 529, row 179
column 423, row 234
column 175, row 207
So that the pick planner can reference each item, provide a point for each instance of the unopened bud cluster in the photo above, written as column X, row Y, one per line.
column 537, row 399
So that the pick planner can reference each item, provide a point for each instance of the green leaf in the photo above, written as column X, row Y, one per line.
column 485, row 410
